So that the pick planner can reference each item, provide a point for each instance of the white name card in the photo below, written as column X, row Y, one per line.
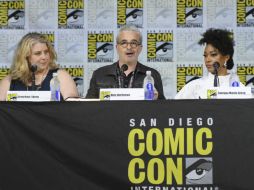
column 229, row 93
column 28, row 96
column 121, row 94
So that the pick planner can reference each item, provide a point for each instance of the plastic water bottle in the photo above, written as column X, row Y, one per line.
column 148, row 86
column 55, row 88
column 234, row 80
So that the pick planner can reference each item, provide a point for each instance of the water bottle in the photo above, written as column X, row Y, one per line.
column 55, row 88
column 148, row 86
column 234, row 79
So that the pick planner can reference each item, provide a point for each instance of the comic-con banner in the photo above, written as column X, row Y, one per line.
column 12, row 14
column 77, row 73
column 160, row 46
column 187, row 48
column 189, row 13
column 245, row 13
column 3, row 72
column 100, row 46
column 50, row 36
column 174, row 145
column 220, row 13
column 246, row 74
column 161, row 156
column 71, row 14
column 245, row 44
column 160, row 13
column 101, row 14
column 42, row 14
column 187, row 73
column 130, row 12
column 71, row 47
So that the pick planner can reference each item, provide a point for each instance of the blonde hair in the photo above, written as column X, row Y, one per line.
column 20, row 68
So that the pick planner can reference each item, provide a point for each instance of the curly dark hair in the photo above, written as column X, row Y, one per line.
column 222, row 40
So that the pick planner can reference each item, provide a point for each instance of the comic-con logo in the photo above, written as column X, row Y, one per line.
column 100, row 47
column 245, row 13
column 161, row 156
column 159, row 47
column 246, row 74
column 12, row 14
column 3, row 72
column 77, row 74
column 50, row 36
column 130, row 12
column 70, row 14
column 189, row 13
column 187, row 74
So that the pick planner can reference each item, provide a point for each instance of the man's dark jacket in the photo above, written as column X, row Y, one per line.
column 107, row 77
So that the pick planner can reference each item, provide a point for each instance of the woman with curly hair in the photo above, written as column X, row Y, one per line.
column 218, row 58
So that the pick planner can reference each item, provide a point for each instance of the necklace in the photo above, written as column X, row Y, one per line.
column 38, row 87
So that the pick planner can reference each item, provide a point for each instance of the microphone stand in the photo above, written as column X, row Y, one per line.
column 216, row 65
column 123, row 68
column 33, row 68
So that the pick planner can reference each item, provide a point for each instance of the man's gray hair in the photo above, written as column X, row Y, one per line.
column 131, row 28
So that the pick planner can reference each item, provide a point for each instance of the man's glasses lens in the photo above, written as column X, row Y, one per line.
column 132, row 44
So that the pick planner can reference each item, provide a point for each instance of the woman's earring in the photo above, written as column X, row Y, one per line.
column 225, row 65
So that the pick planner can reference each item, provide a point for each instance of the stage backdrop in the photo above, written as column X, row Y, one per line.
column 83, row 33
column 160, row 145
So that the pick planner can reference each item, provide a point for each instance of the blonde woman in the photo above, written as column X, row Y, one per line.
column 34, row 49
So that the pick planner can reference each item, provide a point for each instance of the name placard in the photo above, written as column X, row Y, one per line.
column 121, row 94
column 229, row 93
column 28, row 96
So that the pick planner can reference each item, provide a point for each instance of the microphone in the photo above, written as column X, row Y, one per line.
column 123, row 68
column 33, row 68
column 216, row 66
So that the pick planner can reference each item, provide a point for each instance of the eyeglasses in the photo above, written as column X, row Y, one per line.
column 125, row 44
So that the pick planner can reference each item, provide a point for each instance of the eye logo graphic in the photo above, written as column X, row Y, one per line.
column 194, row 17
column 159, row 47
column 250, row 47
column 100, row 47
column 16, row 19
column 105, row 95
column 130, row 13
column 211, row 93
column 134, row 17
column 71, row 14
column 44, row 18
column 74, row 52
column 12, row 97
column 104, row 50
column 163, row 14
column 222, row 13
column 190, row 14
column 246, row 74
column 12, row 14
column 164, row 51
column 250, row 15
column 75, row 18
column 104, row 17
column 245, row 14
column 199, row 171
column 187, row 74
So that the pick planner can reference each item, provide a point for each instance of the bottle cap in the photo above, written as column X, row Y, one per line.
column 55, row 74
column 235, row 84
column 148, row 72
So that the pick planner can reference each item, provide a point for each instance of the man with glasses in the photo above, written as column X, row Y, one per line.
column 127, row 72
